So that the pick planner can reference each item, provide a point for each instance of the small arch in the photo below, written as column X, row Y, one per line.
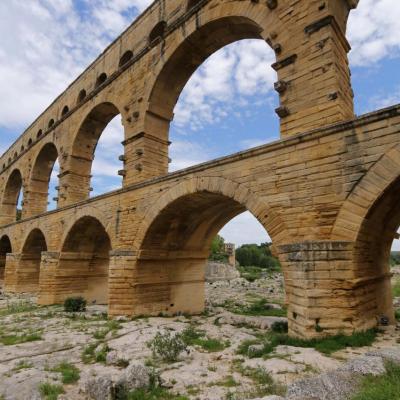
column 9, row 160
column 101, row 79
column 65, row 111
column 30, row 142
column 29, row 265
column 84, row 261
column 15, row 155
column 9, row 205
column 39, row 134
column 157, row 32
column 126, row 57
column 22, row 148
column 5, row 248
column 51, row 123
column 81, row 96
column 37, row 200
column 85, row 144
column 4, row 166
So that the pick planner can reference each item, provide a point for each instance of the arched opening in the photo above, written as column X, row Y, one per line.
column 101, row 79
column 126, row 57
column 65, row 111
column 372, row 255
column 223, row 79
column 51, row 123
column 96, row 151
column 5, row 248
column 175, row 249
column 84, row 261
column 30, row 142
column 81, row 96
column 157, row 33
column 39, row 134
column 28, row 270
column 38, row 192
column 12, row 202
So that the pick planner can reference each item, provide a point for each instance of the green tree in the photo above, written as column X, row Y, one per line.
column 253, row 255
column 217, row 252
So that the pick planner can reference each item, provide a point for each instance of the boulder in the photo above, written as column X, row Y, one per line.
column 112, row 357
column 136, row 376
column 100, row 388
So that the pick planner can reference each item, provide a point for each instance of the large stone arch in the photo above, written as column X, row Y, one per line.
column 242, row 194
column 37, row 190
column 93, row 213
column 75, row 181
column 365, row 194
column 369, row 219
column 23, row 275
column 174, row 240
column 83, row 264
column 14, row 187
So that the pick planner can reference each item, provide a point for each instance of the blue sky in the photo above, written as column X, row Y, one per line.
column 227, row 106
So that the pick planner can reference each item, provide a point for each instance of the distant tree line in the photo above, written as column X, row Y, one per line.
column 395, row 258
column 247, row 255
column 253, row 255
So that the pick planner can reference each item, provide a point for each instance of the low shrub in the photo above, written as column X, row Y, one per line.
column 75, row 304
column 280, row 327
column 167, row 346
column 69, row 372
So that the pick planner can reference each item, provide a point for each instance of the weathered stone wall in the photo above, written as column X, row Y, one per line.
column 326, row 196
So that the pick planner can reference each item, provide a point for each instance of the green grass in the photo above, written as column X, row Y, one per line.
column 23, row 364
column 70, row 373
column 257, row 308
column 396, row 288
column 157, row 393
column 251, row 274
column 10, row 340
column 18, row 307
column 195, row 337
column 327, row 345
column 384, row 387
column 397, row 314
column 49, row 391
column 89, row 354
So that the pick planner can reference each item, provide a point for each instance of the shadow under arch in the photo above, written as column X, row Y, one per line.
column 5, row 248
column 11, row 194
column 184, row 61
column 84, row 147
column 370, row 218
column 84, row 262
column 175, row 242
column 28, row 270
column 38, row 186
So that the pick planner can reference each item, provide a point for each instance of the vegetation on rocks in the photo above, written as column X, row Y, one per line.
column 267, row 343
column 75, row 304
column 258, row 308
column 50, row 391
column 384, row 387
column 70, row 373
column 167, row 345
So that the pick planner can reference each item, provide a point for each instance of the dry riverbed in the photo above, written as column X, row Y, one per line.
column 38, row 346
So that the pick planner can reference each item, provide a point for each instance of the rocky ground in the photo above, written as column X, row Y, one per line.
column 34, row 342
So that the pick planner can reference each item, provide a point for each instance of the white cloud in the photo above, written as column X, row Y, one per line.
column 244, row 228
column 220, row 86
column 45, row 44
column 374, row 31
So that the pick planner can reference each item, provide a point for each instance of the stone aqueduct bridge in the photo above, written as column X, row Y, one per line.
column 327, row 192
